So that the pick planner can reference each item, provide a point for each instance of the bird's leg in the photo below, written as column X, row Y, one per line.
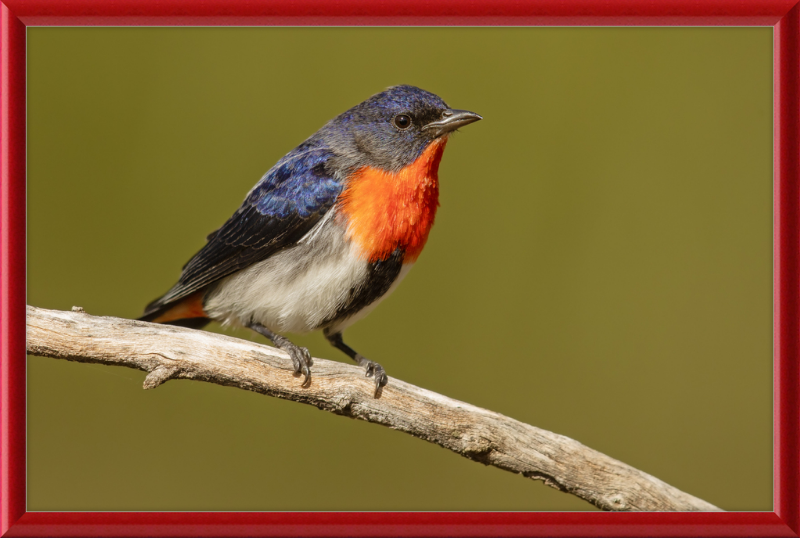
column 300, row 356
column 373, row 368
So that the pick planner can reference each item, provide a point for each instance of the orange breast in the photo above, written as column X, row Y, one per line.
column 386, row 210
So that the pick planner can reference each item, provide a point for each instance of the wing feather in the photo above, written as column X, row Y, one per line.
column 283, row 206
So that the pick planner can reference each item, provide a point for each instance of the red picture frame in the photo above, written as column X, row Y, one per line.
column 782, row 15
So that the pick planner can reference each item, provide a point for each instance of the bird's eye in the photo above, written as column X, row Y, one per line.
column 402, row 121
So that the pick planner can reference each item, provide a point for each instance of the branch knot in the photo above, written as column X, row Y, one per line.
column 159, row 375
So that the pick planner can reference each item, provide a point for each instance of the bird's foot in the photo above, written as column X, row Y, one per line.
column 301, row 359
column 373, row 369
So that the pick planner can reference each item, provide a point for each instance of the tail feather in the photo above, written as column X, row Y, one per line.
column 186, row 312
column 191, row 323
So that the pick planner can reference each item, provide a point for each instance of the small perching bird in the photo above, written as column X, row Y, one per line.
column 328, row 232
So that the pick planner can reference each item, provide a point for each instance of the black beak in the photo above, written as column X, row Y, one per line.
column 452, row 120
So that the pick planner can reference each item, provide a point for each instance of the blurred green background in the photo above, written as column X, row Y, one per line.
column 601, row 264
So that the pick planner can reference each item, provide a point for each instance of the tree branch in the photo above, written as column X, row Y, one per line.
column 168, row 352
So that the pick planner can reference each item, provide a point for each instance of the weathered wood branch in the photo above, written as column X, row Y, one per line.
column 168, row 352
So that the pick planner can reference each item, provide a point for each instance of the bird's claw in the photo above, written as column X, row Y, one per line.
column 302, row 361
column 376, row 370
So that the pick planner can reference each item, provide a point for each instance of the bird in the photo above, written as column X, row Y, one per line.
column 327, row 233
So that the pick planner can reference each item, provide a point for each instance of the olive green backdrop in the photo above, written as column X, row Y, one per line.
column 601, row 265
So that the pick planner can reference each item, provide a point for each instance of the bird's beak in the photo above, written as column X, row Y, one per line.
column 452, row 120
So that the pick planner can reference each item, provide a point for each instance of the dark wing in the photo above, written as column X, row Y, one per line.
column 283, row 206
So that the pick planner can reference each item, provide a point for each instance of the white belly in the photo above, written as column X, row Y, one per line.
column 298, row 289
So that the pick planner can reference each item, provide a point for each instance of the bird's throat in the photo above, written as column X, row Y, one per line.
column 384, row 211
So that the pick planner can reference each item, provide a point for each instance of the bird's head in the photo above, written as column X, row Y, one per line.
column 391, row 129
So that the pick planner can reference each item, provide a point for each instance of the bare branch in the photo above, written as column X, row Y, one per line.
column 168, row 352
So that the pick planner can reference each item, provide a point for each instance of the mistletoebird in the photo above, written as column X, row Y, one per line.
column 328, row 232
